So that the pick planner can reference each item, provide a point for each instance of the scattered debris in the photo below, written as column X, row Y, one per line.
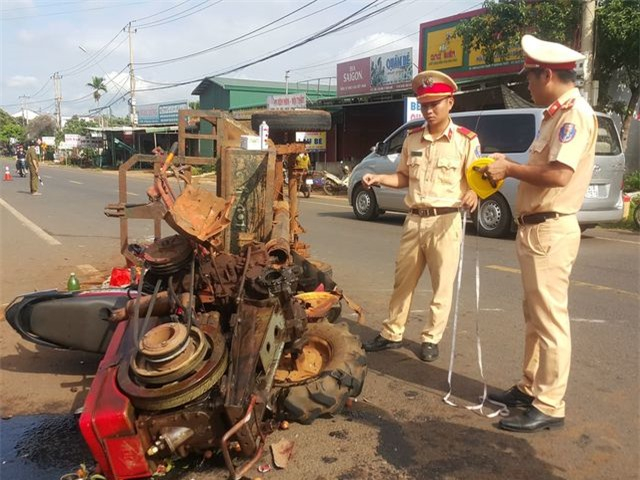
column 282, row 452
column 264, row 468
column 340, row 434
column 284, row 425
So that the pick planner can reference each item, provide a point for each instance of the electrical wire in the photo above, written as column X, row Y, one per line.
column 128, row 4
column 239, row 38
column 157, row 23
column 337, row 26
column 160, row 12
column 86, row 67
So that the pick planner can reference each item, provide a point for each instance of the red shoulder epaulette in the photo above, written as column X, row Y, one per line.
column 568, row 104
column 416, row 129
column 467, row 133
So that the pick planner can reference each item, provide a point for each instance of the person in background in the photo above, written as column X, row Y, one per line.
column 552, row 187
column 432, row 165
column 34, row 169
column 21, row 163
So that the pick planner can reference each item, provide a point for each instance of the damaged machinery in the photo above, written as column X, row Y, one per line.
column 227, row 327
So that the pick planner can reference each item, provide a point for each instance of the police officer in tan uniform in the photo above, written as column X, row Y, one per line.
column 432, row 165
column 552, row 187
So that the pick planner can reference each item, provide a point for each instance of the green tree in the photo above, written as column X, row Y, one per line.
column 98, row 86
column 499, row 30
column 10, row 128
column 78, row 126
column 41, row 125
column 618, row 55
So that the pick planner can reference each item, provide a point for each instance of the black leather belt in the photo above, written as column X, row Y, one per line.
column 432, row 211
column 535, row 218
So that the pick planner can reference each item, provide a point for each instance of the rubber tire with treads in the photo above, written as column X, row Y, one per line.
column 293, row 120
column 365, row 205
column 493, row 217
column 325, row 394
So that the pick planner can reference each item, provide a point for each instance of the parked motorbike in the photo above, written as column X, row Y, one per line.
column 334, row 185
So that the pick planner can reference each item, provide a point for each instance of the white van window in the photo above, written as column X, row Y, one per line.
column 395, row 143
column 607, row 142
column 512, row 133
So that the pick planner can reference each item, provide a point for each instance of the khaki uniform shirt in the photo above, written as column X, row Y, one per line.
column 436, row 166
column 32, row 157
column 568, row 135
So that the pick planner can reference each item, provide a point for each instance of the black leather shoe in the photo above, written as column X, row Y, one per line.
column 380, row 343
column 530, row 421
column 513, row 397
column 429, row 352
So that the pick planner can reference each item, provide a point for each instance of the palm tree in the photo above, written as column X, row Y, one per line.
column 98, row 85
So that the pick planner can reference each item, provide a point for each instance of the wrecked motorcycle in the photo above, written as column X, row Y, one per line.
column 206, row 351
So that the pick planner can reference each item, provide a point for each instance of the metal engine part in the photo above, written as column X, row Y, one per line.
column 168, row 255
column 179, row 377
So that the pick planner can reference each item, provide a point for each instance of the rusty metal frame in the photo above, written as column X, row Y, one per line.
column 239, row 473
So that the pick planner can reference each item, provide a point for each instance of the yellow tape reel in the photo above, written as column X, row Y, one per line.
column 478, row 182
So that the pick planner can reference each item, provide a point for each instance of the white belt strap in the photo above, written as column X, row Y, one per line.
column 480, row 406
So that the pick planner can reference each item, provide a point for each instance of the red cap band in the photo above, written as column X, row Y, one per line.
column 531, row 63
column 437, row 88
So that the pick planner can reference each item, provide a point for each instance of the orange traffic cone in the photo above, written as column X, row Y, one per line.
column 7, row 174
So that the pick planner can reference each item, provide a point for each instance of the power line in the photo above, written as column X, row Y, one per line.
column 69, row 11
column 243, row 37
column 157, row 23
column 160, row 12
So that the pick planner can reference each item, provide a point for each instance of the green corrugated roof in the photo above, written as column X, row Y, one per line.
column 263, row 85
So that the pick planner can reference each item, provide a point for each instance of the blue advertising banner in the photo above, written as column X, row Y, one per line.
column 160, row 113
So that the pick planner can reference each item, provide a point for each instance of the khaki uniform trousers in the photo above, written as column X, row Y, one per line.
column 426, row 241
column 33, row 178
column 547, row 252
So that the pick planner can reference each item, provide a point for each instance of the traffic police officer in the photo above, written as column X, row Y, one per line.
column 34, row 169
column 552, row 187
column 432, row 165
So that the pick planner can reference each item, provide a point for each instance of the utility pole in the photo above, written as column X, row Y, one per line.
column 586, row 47
column 58, row 92
column 132, row 83
column 286, row 82
column 23, row 107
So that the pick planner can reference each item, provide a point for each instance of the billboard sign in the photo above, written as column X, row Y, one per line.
column 441, row 49
column 387, row 71
column 160, row 113
column 287, row 102
column 412, row 109
column 314, row 141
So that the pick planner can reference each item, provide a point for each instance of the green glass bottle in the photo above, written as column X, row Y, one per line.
column 73, row 283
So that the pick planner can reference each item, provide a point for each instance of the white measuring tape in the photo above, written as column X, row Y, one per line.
column 503, row 410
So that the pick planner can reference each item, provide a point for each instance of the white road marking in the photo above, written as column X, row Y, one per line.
column 329, row 204
column 134, row 194
column 617, row 240
column 30, row 225
column 588, row 320
column 47, row 176
column 492, row 309
column 575, row 283
column 73, row 181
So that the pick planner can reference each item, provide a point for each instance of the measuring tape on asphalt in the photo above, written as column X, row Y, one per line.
column 479, row 407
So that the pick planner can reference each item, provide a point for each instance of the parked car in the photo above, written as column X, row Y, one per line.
column 510, row 132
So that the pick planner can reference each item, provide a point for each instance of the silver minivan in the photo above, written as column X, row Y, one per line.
column 510, row 132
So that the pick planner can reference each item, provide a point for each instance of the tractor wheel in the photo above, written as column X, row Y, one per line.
column 331, row 368
column 293, row 120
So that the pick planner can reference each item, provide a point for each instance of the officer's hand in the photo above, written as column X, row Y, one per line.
column 369, row 179
column 470, row 200
column 498, row 169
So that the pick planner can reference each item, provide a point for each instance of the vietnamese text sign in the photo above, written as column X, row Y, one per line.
column 160, row 113
column 441, row 49
column 314, row 141
column 287, row 102
column 387, row 71
column 412, row 109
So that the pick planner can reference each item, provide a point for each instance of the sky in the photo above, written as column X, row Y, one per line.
column 85, row 38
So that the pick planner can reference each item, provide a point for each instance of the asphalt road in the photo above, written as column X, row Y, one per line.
column 399, row 428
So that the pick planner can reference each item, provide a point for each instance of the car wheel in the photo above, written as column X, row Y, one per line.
column 365, row 205
column 494, row 217
column 636, row 216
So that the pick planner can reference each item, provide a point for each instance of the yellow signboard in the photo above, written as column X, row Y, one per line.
column 444, row 49
column 315, row 141
column 476, row 58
